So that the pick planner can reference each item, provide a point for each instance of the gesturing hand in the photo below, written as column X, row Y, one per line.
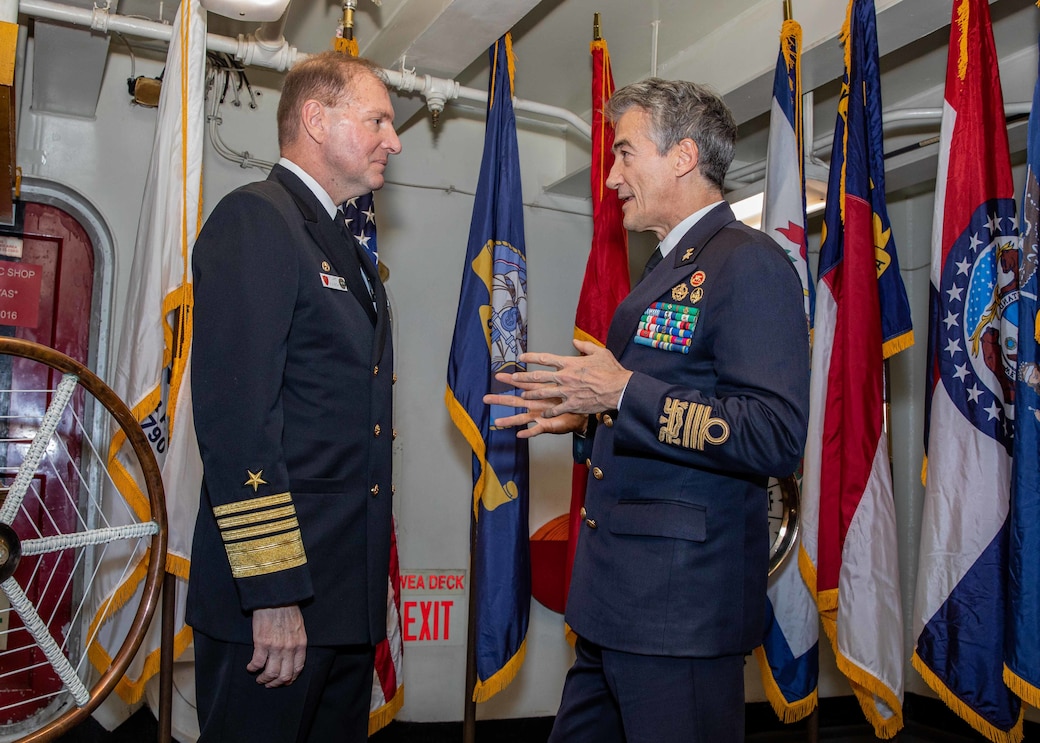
column 556, row 400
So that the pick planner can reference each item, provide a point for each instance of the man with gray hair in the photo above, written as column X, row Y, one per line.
column 701, row 393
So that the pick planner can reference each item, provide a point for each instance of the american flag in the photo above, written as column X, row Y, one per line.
column 360, row 215
column 388, row 682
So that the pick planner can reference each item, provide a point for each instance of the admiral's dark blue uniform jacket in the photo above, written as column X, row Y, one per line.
column 291, row 383
column 673, row 556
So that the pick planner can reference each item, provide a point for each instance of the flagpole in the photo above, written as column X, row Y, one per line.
column 469, row 719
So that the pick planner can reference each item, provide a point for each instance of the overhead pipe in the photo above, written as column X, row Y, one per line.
column 751, row 172
column 267, row 48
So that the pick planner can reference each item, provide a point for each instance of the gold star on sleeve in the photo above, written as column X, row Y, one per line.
column 255, row 479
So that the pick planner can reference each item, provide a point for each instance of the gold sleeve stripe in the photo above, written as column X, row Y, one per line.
column 252, row 504
column 255, row 518
column 265, row 556
column 257, row 531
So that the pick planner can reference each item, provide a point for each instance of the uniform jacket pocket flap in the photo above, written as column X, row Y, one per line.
column 659, row 519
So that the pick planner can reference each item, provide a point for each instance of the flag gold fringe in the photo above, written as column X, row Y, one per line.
column 808, row 571
column 465, row 424
column 130, row 690
column 381, row 717
column 966, row 713
column 786, row 711
column 864, row 685
column 900, row 343
column 963, row 14
column 511, row 64
column 345, row 46
column 581, row 335
column 1027, row 692
column 484, row 690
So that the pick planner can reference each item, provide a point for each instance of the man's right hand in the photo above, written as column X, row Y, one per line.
column 279, row 645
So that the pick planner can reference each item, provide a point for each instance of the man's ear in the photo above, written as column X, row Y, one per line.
column 314, row 119
column 687, row 157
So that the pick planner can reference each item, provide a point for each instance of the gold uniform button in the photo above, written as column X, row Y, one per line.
column 393, row 434
column 375, row 371
column 375, row 490
column 393, row 489
column 377, row 430
column 607, row 420
column 588, row 463
column 393, row 379
column 591, row 523
column 582, row 512
column 597, row 473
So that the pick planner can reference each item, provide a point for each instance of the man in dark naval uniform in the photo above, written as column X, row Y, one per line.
column 292, row 373
column 701, row 393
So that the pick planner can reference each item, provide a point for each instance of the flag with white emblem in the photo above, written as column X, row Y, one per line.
column 961, row 600
column 490, row 334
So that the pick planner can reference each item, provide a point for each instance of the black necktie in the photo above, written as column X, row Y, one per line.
column 652, row 262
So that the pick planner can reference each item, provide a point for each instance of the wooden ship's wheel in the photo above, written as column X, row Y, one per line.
column 63, row 528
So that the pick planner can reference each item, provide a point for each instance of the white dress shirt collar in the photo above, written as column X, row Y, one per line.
column 673, row 237
column 320, row 193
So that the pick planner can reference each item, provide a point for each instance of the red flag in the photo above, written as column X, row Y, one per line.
column 606, row 274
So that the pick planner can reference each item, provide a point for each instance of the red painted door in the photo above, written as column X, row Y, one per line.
column 46, row 293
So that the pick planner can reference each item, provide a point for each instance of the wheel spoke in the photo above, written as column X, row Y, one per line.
column 35, row 626
column 85, row 538
column 38, row 448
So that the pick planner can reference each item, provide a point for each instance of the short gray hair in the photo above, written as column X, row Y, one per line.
column 679, row 110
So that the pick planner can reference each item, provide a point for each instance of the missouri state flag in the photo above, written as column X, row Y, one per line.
column 1022, row 651
column 788, row 658
column 961, row 598
column 490, row 335
column 850, row 553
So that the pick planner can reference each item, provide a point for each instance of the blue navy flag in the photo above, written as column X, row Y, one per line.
column 1022, row 649
column 490, row 334
column 789, row 656
column 960, row 607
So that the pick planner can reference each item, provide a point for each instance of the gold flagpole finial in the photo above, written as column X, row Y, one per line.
column 348, row 18
column 595, row 27
column 788, row 13
column 345, row 42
